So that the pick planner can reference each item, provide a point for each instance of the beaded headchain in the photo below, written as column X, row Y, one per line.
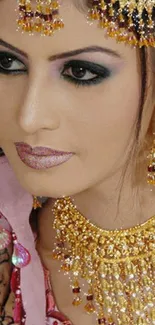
column 41, row 16
column 129, row 21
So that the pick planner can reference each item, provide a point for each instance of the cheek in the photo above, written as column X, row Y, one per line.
column 106, row 118
column 11, row 95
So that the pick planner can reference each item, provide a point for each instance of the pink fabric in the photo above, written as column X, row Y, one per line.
column 16, row 205
column 4, row 223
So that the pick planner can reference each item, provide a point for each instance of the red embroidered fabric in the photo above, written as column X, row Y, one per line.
column 54, row 317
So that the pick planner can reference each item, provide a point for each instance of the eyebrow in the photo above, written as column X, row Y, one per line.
column 89, row 49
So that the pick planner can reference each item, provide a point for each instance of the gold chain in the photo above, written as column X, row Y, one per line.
column 117, row 266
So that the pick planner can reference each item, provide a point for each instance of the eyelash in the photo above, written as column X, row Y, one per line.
column 100, row 72
column 5, row 55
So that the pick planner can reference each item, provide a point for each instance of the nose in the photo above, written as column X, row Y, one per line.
column 39, row 109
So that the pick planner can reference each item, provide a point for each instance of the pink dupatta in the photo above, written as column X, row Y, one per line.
column 16, row 205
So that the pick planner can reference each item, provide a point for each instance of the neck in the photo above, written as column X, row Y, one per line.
column 113, row 205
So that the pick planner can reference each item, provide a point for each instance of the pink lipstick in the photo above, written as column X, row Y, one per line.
column 41, row 157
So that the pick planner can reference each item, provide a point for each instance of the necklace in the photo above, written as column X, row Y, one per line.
column 113, row 271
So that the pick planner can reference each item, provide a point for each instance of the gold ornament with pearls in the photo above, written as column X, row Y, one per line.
column 117, row 267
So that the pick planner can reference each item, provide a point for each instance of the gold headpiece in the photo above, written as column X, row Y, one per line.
column 130, row 21
column 42, row 17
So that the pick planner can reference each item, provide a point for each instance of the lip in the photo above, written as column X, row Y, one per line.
column 41, row 157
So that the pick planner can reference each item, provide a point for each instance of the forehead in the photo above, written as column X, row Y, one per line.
column 77, row 32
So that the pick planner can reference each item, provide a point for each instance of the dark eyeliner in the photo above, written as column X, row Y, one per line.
column 14, row 58
column 100, row 71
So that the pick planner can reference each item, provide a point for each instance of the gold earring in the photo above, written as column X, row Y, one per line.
column 43, row 19
column 36, row 203
column 151, row 165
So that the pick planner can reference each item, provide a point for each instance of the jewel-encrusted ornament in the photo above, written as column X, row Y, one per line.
column 40, row 16
column 36, row 203
column 117, row 266
column 151, row 166
column 129, row 21
column 18, row 311
column 21, row 256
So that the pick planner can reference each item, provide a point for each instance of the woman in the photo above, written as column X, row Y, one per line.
column 77, row 123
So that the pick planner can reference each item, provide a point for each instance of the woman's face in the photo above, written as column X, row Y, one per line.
column 76, row 92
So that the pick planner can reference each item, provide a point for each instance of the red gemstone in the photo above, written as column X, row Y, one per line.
column 42, row 16
column 90, row 297
column 151, row 168
column 95, row 2
column 60, row 244
column 102, row 321
column 66, row 257
column 37, row 14
column 46, row 17
column 55, row 12
column 76, row 290
column 15, row 279
column 29, row 14
column 122, row 24
column 22, row 8
column 50, row 17
column 14, row 237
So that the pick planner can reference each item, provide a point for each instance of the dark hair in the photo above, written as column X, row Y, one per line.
column 143, row 64
column 1, row 152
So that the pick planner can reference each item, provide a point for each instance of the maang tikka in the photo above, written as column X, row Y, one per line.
column 128, row 21
column 41, row 16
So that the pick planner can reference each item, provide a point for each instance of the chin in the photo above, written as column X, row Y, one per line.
column 64, row 180
column 53, row 186
column 52, row 192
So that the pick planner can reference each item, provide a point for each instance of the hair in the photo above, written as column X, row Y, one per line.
column 1, row 152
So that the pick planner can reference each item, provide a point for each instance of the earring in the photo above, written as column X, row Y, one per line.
column 151, row 165
column 44, row 19
column 36, row 203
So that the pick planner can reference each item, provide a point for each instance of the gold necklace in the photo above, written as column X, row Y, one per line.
column 118, row 267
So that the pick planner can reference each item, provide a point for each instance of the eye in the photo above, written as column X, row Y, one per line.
column 80, row 73
column 84, row 72
column 9, row 64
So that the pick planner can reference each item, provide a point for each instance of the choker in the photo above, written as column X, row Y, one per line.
column 113, row 271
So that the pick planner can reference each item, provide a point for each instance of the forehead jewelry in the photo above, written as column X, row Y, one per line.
column 42, row 16
column 130, row 21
